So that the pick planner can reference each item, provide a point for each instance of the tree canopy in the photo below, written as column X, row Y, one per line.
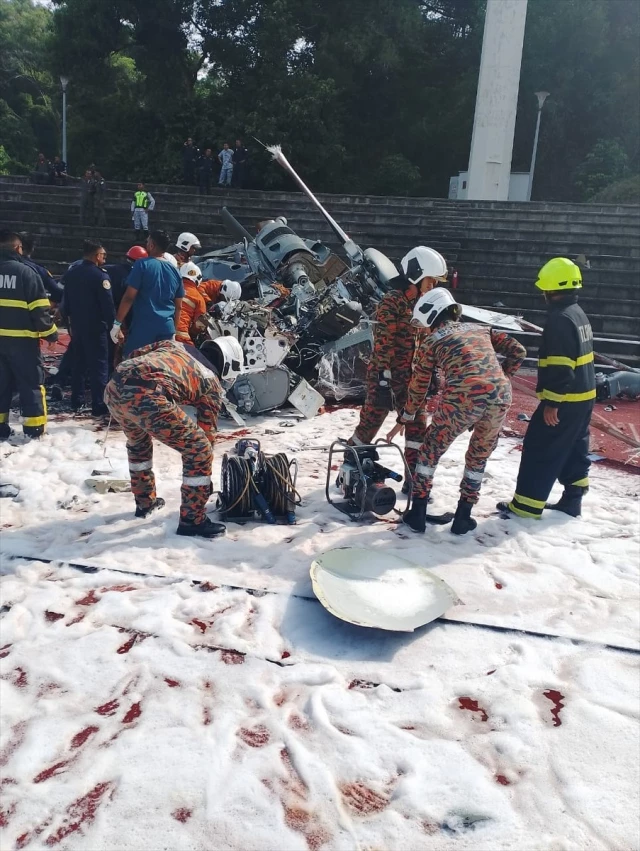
column 365, row 95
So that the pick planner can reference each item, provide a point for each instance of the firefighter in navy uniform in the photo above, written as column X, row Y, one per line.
column 389, row 369
column 556, row 445
column 88, row 306
column 25, row 319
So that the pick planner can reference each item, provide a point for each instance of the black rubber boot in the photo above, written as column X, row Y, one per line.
column 145, row 512
column 416, row 516
column 504, row 510
column 206, row 529
column 570, row 502
column 55, row 393
column 463, row 522
column 5, row 431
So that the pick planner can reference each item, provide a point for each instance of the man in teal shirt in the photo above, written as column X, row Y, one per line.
column 155, row 292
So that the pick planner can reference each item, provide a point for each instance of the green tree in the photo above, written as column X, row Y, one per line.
column 606, row 163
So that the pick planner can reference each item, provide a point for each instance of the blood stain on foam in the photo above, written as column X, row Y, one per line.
column 50, row 772
column 200, row 624
column 133, row 713
column 81, row 811
column 77, row 619
column 120, row 588
column 172, row 683
column 89, row 600
column 556, row 698
column 298, row 722
column 498, row 585
column 4, row 651
column 256, row 737
column 5, row 815
column 285, row 654
column 19, row 732
column 80, row 738
column 52, row 617
column 472, row 706
column 182, row 814
column 502, row 780
column 206, row 716
column 232, row 657
column 108, row 708
column 363, row 800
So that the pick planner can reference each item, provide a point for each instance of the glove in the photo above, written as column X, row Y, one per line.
column 116, row 334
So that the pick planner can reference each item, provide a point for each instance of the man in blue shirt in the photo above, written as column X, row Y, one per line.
column 154, row 291
column 87, row 304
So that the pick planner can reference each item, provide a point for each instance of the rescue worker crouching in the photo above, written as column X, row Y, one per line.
column 556, row 445
column 476, row 393
column 145, row 396
column 389, row 369
column 25, row 319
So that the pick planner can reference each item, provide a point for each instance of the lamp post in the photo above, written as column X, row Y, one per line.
column 542, row 96
column 64, row 82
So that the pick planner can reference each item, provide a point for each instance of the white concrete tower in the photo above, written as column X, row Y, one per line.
column 497, row 100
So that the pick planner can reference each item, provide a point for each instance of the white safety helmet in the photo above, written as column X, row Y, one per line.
column 192, row 272
column 226, row 354
column 169, row 258
column 231, row 290
column 186, row 241
column 422, row 262
column 430, row 306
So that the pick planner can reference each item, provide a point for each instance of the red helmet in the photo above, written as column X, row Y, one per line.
column 136, row 252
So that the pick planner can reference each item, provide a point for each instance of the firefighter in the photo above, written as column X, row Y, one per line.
column 193, row 309
column 393, row 347
column 476, row 394
column 25, row 319
column 88, row 306
column 142, row 204
column 214, row 291
column 556, row 445
column 186, row 246
column 145, row 396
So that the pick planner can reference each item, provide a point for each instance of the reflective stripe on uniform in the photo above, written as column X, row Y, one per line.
column 522, row 513
column 188, row 301
column 34, row 335
column 424, row 471
column 472, row 475
column 534, row 503
column 355, row 441
column 39, row 302
column 32, row 422
column 13, row 302
column 196, row 481
column 550, row 396
column 139, row 466
column 4, row 418
column 412, row 444
column 558, row 360
column 582, row 483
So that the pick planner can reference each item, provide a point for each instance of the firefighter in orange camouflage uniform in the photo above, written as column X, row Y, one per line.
column 476, row 395
column 389, row 369
column 145, row 396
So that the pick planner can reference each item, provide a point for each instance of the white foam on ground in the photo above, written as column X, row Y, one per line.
column 130, row 720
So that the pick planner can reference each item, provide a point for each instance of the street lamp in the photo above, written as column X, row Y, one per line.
column 542, row 96
column 64, row 82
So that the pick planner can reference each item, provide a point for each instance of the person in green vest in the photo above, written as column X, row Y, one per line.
column 142, row 204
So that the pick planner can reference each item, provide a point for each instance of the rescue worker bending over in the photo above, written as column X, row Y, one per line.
column 145, row 396
column 192, row 312
column 476, row 393
column 389, row 369
column 556, row 445
column 25, row 319
column 214, row 291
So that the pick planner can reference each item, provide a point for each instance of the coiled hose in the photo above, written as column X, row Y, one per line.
column 265, row 483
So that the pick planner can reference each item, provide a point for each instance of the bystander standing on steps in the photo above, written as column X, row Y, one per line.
column 142, row 204
column 190, row 156
column 25, row 319
column 205, row 172
column 101, row 200
column 240, row 158
column 88, row 199
column 59, row 171
column 43, row 170
column 225, row 157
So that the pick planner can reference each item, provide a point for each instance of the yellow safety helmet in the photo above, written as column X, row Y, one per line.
column 559, row 275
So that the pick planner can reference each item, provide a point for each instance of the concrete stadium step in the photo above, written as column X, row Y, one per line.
column 626, row 308
column 603, row 290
